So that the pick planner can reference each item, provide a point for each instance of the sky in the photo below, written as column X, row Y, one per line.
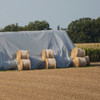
column 55, row 12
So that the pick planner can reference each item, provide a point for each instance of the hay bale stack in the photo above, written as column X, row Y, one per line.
column 48, row 58
column 24, row 64
column 79, row 62
column 77, row 52
column 79, row 58
column 22, row 58
column 87, row 60
column 50, row 62
column 22, row 54
column 47, row 54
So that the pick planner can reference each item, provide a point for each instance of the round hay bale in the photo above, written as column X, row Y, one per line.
column 79, row 62
column 24, row 64
column 87, row 60
column 22, row 54
column 50, row 62
column 77, row 52
column 47, row 54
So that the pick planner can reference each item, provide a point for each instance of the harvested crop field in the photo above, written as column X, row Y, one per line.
column 51, row 84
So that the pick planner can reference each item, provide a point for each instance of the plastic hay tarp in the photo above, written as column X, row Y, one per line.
column 35, row 42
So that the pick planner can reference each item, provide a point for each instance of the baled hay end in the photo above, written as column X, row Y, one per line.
column 47, row 54
column 50, row 62
column 24, row 64
column 22, row 54
column 87, row 60
column 79, row 62
column 77, row 52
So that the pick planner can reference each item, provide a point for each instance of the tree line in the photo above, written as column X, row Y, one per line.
column 83, row 30
column 32, row 26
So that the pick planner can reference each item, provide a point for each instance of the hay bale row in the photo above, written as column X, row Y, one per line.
column 48, row 58
column 79, row 58
column 22, row 58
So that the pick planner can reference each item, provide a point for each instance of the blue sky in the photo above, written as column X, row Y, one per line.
column 55, row 12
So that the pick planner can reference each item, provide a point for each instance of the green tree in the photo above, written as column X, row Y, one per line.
column 37, row 25
column 84, row 30
column 58, row 27
column 12, row 27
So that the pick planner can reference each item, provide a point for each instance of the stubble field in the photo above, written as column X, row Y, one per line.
column 51, row 84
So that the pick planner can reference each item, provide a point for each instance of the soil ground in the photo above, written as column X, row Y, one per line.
column 52, row 84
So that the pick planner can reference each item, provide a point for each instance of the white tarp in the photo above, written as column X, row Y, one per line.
column 35, row 42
